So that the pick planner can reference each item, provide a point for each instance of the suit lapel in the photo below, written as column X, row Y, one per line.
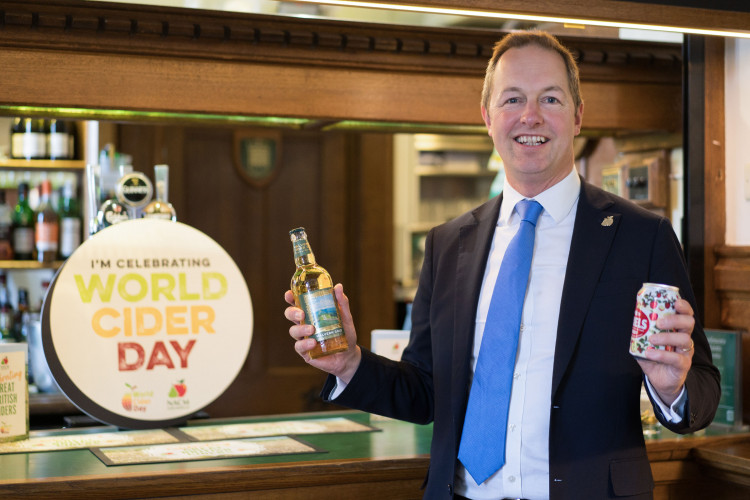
column 474, row 242
column 593, row 233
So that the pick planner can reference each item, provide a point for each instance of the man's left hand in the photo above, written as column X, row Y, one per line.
column 667, row 370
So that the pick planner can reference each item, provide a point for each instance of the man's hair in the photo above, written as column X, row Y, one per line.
column 541, row 39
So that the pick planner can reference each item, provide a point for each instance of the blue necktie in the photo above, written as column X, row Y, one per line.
column 482, row 448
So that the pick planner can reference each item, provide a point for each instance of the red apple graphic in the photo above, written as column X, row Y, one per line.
column 181, row 388
column 127, row 399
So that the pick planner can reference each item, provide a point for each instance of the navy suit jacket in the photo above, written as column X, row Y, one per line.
column 596, row 445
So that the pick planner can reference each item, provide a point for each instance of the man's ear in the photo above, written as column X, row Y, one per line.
column 579, row 119
column 487, row 122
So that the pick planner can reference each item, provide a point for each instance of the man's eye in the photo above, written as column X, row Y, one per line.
column 551, row 100
column 513, row 100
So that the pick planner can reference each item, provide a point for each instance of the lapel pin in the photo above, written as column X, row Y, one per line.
column 608, row 221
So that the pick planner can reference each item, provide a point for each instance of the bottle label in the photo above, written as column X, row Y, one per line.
column 23, row 240
column 70, row 235
column 59, row 146
column 46, row 236
column 320, row 310
column 34, row 145
column 301, row 248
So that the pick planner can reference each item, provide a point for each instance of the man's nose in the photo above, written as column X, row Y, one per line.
column 532, row 114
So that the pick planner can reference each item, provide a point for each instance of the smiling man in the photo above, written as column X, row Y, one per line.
column 521, row 325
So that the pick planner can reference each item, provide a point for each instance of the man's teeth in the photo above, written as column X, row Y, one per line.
column 531, row 140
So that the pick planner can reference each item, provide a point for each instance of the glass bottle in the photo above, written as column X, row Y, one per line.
column 22, row 316
column 313, row 293
column 6, row 228
column 23, row 225
column 160, row 208
column 47, row 228
column 60, row 143
column 70, row 220
column 28, row 139
column 6, row 313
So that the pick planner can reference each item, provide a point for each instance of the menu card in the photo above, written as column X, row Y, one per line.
column 14, row 392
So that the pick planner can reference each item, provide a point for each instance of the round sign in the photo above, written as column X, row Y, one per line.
column 147, row 323
column 134, row 190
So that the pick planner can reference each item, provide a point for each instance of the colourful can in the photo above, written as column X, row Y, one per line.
column 653, row 301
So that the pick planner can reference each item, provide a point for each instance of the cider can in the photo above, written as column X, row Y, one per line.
column 653, row 301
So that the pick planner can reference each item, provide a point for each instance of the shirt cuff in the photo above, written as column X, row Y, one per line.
column 337, row 389
column 676, row 411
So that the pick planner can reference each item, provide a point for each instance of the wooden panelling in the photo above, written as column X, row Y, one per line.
column 714, row 205
column 732, row 282
column 337, row 185
column 107, row 56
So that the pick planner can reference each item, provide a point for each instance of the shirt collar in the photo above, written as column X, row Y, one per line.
column 557, row 200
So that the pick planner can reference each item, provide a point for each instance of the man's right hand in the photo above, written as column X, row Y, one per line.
column 342, row 364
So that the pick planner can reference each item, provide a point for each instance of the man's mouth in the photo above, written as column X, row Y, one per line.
column 531, row 140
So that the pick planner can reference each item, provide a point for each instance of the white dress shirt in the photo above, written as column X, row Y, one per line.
column 526, row 470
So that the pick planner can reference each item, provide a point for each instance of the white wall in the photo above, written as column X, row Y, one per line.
column 737, row 137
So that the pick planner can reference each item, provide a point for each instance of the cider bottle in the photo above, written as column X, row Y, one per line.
column 313, row 293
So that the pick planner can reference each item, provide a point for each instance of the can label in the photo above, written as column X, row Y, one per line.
column 320, row 311
column 653, row 302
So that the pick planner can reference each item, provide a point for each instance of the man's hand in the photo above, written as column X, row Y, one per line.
column 667, row 370
column 342, row 364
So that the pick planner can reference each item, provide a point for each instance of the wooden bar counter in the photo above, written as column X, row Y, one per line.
column 389, row 463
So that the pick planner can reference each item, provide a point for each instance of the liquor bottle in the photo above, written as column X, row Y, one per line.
column 6, row 313
column 60, row 140
column 70, row 221
column 47, row 226
column 23, row 225
column 22, row 316
column 313, row 293
column 28, row 139
column 160, row 208
column 6, row 229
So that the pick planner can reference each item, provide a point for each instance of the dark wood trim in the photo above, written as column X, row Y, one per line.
column 714, row 178
column 704, row 223
column 693, row 232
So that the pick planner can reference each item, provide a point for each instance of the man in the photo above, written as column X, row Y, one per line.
column 574, row 426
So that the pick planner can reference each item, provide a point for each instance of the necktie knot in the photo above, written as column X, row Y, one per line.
column 529, row 210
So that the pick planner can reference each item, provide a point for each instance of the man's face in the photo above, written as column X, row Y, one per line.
column 532, row 118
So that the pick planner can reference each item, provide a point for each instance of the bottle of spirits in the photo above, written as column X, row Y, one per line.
column 6, row 229
column 60, row 143
column 160, row 208
column 28, row 139
column 70, row 220
column 23, row 225
column 22, row 316
column 6, row 313
column 313, row 293
column 47, row 226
